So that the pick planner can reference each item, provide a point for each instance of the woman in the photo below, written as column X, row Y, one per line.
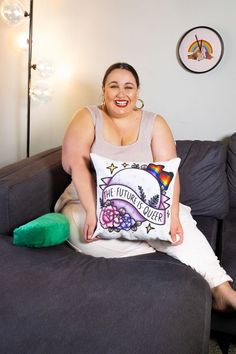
column 119, row 130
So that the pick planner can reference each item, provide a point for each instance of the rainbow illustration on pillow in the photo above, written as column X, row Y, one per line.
column 163, row 177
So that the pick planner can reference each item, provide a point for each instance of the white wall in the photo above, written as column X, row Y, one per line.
column 88, row 36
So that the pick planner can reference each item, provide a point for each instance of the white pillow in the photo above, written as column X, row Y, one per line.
column 134, row 199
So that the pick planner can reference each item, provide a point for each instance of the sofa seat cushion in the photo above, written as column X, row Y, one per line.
column 56, row 298
column 202, row 177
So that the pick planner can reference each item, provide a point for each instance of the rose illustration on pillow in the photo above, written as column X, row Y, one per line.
column 109, row 217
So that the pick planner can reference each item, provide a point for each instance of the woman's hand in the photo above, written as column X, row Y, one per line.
column 89, row 227
column 176, row 231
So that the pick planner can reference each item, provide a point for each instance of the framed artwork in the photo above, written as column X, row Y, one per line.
column 200, row 49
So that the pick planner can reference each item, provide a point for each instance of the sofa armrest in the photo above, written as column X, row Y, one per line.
column 30, row 188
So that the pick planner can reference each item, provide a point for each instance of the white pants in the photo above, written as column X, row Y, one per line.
column 195, row 250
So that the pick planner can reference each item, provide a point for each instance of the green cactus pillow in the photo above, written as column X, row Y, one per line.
column 134, row 199
column 47, row 230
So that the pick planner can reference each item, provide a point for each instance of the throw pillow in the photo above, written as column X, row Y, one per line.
column 203, row 182
column 134, row 199
column 47, row 230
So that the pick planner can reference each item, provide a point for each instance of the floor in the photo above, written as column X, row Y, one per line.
column 215, row 349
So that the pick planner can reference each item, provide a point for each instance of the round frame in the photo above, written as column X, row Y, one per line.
column 200, row 49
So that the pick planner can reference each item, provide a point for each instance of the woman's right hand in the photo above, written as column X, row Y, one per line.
column 76, row 150
column 89, row 227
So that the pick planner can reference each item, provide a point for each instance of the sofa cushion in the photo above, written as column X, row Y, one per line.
column 228, row 245
column 134, row 199
column 202, row 177
column 226, row 322
column 231, row 170
column 30, row 188
column 12, row 168
column 209, row 227
column 54, row 300
column 47, row 230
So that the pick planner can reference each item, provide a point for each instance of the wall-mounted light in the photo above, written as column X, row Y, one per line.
column 13, row 13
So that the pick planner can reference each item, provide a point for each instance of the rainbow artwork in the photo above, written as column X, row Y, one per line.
column 200, row 50
column 163, row 177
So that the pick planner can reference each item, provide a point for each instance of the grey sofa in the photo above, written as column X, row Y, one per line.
column 54, row 300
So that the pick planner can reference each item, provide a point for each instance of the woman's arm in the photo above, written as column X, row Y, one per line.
column 164, row 149
column 76, row 148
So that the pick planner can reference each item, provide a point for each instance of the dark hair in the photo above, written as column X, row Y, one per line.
column 124, row 66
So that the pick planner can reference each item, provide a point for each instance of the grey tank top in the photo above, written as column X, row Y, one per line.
column 138, row 151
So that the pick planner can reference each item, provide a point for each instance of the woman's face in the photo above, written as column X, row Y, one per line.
column 120, row 92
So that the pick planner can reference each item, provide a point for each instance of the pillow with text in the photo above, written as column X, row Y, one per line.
column 134, row 198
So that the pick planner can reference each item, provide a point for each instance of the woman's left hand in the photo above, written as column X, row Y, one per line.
column 176, row 231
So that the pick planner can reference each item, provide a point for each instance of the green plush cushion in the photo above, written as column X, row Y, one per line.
column 47, row 230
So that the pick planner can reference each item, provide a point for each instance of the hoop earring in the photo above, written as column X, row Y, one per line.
column 142, row 104
column 103, row 105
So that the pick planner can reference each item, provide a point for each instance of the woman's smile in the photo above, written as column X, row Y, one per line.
column 121, row 103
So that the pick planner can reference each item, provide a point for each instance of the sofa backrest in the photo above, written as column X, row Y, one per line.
column 29, row 188
column 203, row 178
column 231, row 170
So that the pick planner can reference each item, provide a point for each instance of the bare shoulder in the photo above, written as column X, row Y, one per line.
column 81, row 117
column 81, row 122
column 163, row 144
column 78, row 138
column 160, row 123
column 161, row 127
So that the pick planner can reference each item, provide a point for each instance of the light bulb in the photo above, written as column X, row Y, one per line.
column 41, row 92
column 22, row 40
column 45, row 68
column 12, row 12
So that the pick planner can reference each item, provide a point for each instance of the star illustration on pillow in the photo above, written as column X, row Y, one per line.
column 149, row 228
column 112, row 167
